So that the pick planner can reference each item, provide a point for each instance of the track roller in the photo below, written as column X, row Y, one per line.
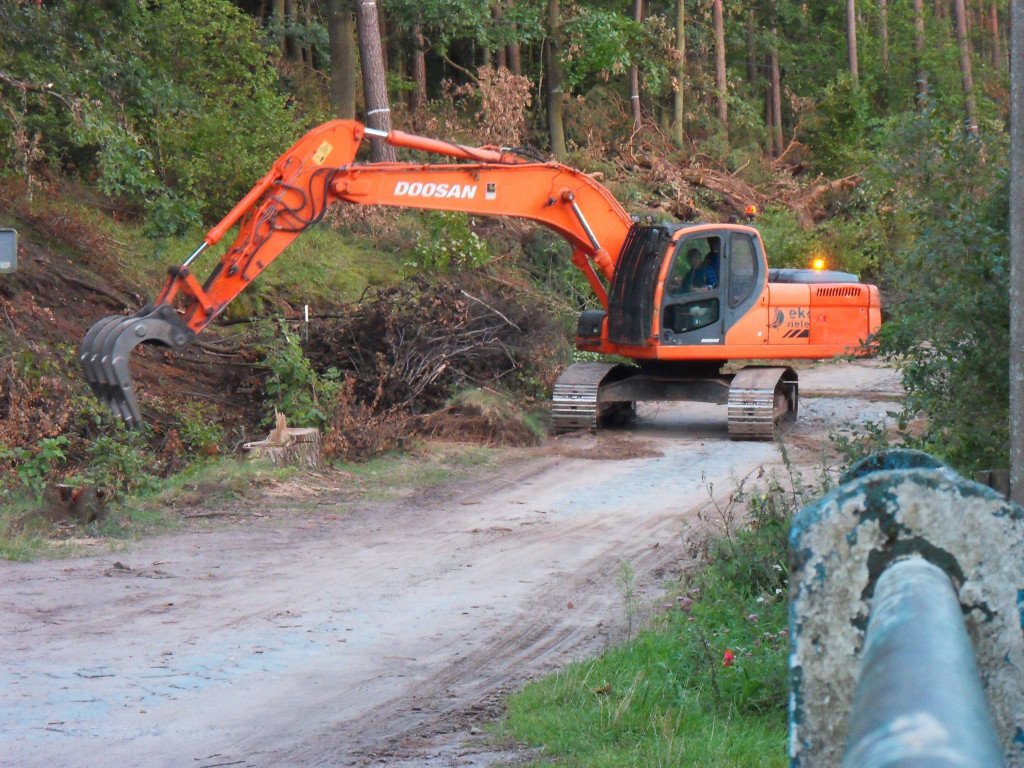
column 762, row 400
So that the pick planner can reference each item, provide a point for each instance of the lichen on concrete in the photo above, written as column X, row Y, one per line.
column 841, row 544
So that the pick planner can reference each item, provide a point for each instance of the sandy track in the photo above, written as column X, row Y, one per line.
column 380, row 637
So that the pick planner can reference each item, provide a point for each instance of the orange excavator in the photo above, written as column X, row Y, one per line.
column 679, row 300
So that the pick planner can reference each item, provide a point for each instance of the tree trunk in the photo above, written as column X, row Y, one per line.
column 993, row 20
column 769, row 111
column 851, row 39
column 776, row 98
column 922, row 74
column 419, row 70
column 679, row 96
column 720, row 83
column 343, row 59
column 1016, row 46
column 378, row 113
column 634, row 71
column 278, row 20
column 883, row 32
column 752, row 77
column 291, row 45
column 500, row 55
column 966, row 78
column 515, row 59
column 554, row 66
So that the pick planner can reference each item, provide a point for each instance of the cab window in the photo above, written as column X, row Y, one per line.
column 696, row 267
column 742, row 269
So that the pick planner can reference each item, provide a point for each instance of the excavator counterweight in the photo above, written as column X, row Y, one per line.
column 678, row 300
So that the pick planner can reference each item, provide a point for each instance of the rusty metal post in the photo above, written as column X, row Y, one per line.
column 919, row 698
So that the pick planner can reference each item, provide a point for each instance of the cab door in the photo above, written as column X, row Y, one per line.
column 714, row 281
column 692, row 296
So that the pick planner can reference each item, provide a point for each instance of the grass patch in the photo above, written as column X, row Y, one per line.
column 706, row 685
column 26, row 533
column 322, row 267
column 396, row 474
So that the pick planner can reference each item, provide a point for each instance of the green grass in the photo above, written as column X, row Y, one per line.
column 397, row 473
column 668, row 697
column 26, row 534
column 321, row 267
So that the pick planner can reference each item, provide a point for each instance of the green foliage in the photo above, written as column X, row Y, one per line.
column 949, row 331
column 199, row 429
column 447, row 243
column 33, row 466
column 839, row 126
column 857, row 243
column 170, row 106
column 292, row 386
column 120, row 461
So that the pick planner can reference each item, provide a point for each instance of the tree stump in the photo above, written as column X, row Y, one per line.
column 289, row 447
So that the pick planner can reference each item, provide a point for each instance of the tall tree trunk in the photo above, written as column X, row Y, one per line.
column 940, row 9
column 378, row 113
column 278, row 20
column 966, row 78
column 769, row 111
column 1016, row 46
column 993, row 20
column 515, row 58
column 501, row 55
column 720, row 83
column 291, row 45
column 776, row 97
column 883, row 31
column 922, row 74
column 752, row 77
column 634, row 71
column 556, row 127
column 851, row 39
column 418, row 97
column 340, row 26
column 680, row 95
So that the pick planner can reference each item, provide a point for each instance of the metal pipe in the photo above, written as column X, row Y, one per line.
column 919, row 699
column 195, row 253
column 586, row 227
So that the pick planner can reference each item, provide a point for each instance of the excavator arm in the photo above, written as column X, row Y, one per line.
column 294, row 195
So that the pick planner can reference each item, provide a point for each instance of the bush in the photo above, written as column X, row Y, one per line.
column 448, row 245
column 171, row 106
column 949, row 332
column 292, row 386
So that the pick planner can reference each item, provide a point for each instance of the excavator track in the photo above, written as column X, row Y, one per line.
column 762, row 400
column 574, row 402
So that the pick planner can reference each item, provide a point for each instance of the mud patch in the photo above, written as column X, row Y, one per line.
column 604, row 447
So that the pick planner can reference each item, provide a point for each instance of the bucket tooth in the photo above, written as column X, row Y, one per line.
column 106, row 350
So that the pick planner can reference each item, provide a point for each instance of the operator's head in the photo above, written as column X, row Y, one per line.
column 693, row 257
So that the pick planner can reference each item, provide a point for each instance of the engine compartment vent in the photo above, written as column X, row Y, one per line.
column 845, row 290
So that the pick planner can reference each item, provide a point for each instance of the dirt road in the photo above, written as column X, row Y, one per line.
column 381, row 636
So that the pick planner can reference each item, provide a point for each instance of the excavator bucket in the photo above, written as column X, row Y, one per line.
column 106, row 348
